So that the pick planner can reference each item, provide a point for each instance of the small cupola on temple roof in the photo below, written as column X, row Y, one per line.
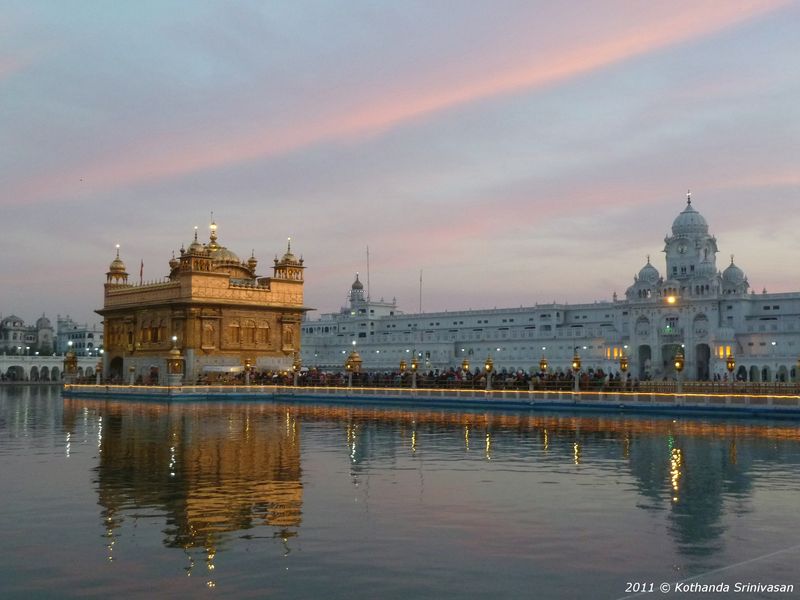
column 195, row 247
column 116, row 270
column 289, row 266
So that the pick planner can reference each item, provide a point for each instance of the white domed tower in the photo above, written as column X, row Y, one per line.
column 356, row 291
column 645, row 284
column 691, row 253
column 734, row 281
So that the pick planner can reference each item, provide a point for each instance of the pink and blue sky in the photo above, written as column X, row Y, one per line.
column 515, row 151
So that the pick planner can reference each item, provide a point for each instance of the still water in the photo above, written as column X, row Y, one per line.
column 264, row 500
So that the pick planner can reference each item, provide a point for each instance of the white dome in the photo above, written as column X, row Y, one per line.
column 733, row 274
column 648, row 273
column 689, row 221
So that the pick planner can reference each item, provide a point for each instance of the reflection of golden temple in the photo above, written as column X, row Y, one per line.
column 675, row 464
column 246, row 475
column 219, row 310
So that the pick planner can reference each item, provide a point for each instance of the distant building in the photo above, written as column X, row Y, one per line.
column 18, row 338
column 221, row 312
column 706, row 313
column 87, row 340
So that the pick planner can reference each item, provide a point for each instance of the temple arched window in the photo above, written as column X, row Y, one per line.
column 249, row 332
column 262, row 333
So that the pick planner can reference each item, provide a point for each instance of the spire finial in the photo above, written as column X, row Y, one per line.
column 648, row 259
column 195, row 233
column 117, row 250
column 289, row 244
column 689, row 197
column 212, row 238
column 731, row 258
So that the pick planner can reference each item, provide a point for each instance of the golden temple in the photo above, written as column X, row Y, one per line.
column 212, row 307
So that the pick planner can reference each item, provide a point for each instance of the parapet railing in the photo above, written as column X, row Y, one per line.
column 773, row 397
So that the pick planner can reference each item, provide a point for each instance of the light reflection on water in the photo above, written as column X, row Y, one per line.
column 260, row 499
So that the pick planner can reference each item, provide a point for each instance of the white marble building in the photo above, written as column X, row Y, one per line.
column 692, row 304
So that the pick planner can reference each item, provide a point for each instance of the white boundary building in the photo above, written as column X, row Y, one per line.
column 708, row 313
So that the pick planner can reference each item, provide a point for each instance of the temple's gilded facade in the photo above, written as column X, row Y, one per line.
column 221, row 312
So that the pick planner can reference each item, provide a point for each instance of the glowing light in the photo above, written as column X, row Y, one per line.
column 671, row 299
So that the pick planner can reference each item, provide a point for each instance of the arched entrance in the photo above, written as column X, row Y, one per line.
column 34, row 375
column 645, row 359
column 702, row 353
column 45, row 374
column 15, row 374
column 766, row 374
column 754, row 374
column 741, row 373
column 55, row 374
column 668, row 353
column 783, row 374
column 115, row 369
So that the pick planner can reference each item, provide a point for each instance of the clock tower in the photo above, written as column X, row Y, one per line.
column 691, row 251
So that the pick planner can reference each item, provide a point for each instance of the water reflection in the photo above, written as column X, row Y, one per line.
column 209, row 471
column 216, row 472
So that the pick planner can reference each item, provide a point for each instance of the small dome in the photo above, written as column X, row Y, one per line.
column 689, row 221
column 357, row 285
column 195, row 247
column 174, row 262
column 43, row 323
column 116, row 266
column 732, row 274
column 648, row 273
column 288, row 257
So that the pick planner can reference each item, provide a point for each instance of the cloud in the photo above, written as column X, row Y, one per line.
column 163, row 156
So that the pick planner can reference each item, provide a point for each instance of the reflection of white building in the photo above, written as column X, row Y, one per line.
column 691, row 305
column 86, row 339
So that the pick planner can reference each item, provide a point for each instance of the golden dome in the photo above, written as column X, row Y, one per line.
column 195, row 247
column 289, row 257
column 117, row 266
column 222, row 254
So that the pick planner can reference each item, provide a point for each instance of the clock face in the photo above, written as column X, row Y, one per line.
column 682, row 249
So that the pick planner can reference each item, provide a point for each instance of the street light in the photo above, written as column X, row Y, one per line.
column 414, row 367
column 352, row 365
column 543, row 364
column 296, row 365
column 680, row 362
column 576, row 369
column 489, row 367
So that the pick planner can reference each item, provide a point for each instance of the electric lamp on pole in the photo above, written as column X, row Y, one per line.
column 489, row 367
column 576, row 369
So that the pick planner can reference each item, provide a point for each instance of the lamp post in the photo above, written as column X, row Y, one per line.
column 70, row 364
column 248, row 366
column 352, row 365
column 680, row 362
column 174, row 365
column 465, row 368
column 296, row 365
column 489, row 367
column 576, row 370
column 414, row 367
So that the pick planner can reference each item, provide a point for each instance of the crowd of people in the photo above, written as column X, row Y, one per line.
column 591, row 379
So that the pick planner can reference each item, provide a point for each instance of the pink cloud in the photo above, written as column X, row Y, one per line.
column 167, row 157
